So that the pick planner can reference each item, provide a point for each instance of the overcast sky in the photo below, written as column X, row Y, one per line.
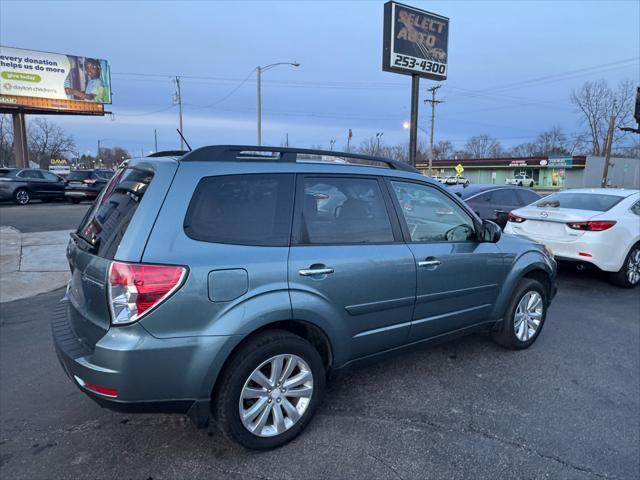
column 512, row 66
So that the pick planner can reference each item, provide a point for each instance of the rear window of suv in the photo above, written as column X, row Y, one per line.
column 242, row 210
column 106, row 223
column 580, row 201
column 78, row 176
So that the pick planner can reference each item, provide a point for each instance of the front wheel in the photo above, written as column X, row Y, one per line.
column 21, row 196
column 629, row 275
column 74, row 200
column 269, row 390
column 524, row 317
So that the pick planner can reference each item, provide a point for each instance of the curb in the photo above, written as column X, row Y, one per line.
column 32, row 263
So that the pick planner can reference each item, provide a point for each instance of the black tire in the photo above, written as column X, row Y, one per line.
column 244, row 361
column 75, row 200
column 21, row 196
column 506, row 335
column 621, row 277
column 519, row 184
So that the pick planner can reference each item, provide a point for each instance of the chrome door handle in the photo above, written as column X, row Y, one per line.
column 315, row 271
column 429, row 263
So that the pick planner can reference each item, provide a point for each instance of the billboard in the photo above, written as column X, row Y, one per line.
column 416, row 42
column 53, row 76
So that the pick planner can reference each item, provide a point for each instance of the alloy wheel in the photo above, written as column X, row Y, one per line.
column 633, row 267
column 22, row 197
column 276, row 395
column 528, row 316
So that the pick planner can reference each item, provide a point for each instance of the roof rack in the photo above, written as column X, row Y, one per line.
column 168, row 153
column 253, row 153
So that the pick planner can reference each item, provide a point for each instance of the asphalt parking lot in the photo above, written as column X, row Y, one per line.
column 42, row 216
column 566, row 408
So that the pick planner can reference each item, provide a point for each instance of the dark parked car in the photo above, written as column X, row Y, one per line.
column 494, row 202
column 86, row 184
column 22, row 185
column 231, row 280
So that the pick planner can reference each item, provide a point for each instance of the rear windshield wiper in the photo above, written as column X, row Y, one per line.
column 84, row 244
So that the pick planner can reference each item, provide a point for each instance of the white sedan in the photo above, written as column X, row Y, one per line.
column 598, row 226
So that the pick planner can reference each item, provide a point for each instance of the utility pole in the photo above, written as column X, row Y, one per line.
column 98, row 157
column 332, row 143
column 413, row 126
column 259, row 80
column 179, row 102
column 287, row 140
column 607, row 147
column 155, row 137
column 433, row 103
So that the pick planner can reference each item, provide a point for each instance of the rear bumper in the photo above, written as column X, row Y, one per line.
column 589, row 248
column 81, row 194
column 141, row 373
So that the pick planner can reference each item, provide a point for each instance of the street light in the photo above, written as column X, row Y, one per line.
column 259, row 71
column 378, row 137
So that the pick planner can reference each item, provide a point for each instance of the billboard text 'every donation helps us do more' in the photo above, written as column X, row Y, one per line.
column 30, row 73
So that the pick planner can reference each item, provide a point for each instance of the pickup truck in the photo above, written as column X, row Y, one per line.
column 522, row 180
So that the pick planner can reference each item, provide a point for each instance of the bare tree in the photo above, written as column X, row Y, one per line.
column 6, row 141
column 46, row 140
column 596, row 102
column 483, row 146
column 524, row 150
column 551, row 142
column 369, row 146
column 443, row 150
column 112, row 157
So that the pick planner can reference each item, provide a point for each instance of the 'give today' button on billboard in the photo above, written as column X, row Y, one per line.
column 24, row 77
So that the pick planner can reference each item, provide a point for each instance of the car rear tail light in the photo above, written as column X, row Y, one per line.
column 136, row 288
column 592, row 226
column 89, row 181
column 515, row 218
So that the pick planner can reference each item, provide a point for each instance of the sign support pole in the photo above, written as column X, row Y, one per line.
column 20, row 140
column 413, row 127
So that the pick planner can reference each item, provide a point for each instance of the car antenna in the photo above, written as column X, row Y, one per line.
column 184, row 139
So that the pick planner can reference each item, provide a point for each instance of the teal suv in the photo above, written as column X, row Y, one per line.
column 229, row 281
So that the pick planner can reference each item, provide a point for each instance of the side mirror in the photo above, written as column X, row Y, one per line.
column 491, row 232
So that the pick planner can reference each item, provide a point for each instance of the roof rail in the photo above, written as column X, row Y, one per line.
column 168, row 153
column 253, row 153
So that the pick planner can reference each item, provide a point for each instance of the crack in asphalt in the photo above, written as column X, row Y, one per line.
column 420, row 420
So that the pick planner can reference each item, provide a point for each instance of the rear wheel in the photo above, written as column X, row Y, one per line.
column 629, row 275
column 269, row 390
column 519, row 184
column 74, row 200
column 525, row 315
column 21, row 196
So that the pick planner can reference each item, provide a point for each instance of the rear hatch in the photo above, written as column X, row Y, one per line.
column 122, row 215
column 547, row 219
column 76, row 179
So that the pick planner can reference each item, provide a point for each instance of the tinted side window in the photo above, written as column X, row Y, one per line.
column 527, row 196
column 242, row 209
column 343, row 210
column 50, row 177
column 504, row 196
column 483, row 198
column 107, row 221
column 35, row 174
column 431, row 216
column 635, row 208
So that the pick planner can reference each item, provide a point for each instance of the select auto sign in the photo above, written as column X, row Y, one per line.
column 416, row 42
